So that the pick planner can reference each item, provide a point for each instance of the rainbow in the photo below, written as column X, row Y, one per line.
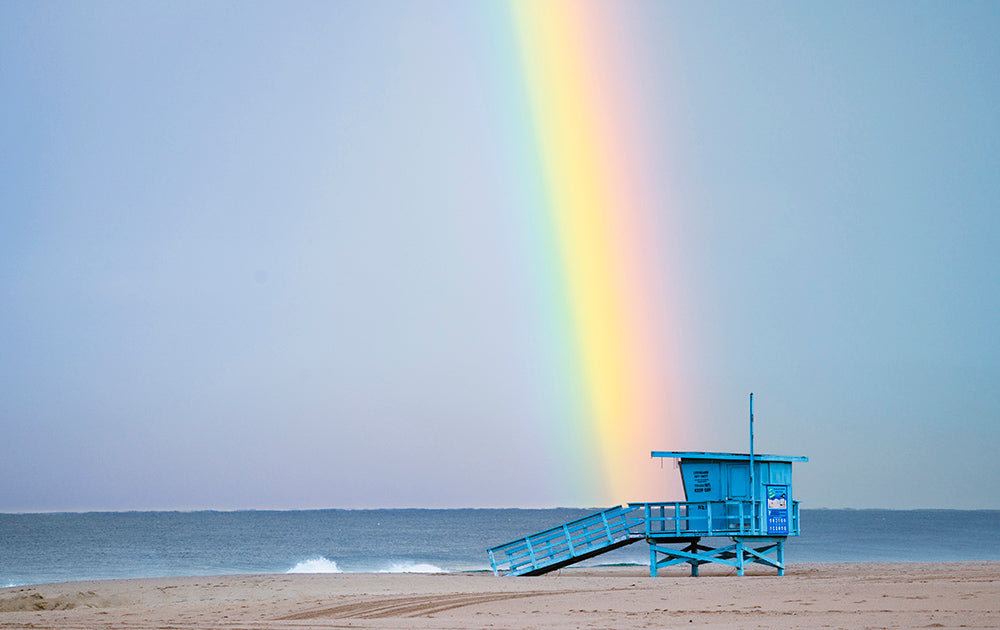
column 597, row 210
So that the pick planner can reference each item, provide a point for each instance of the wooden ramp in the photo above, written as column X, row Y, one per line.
column 570, row 543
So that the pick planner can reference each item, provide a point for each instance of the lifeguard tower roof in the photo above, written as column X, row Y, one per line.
column 759, row 457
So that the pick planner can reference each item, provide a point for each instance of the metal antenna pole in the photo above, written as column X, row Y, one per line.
column 753, row 487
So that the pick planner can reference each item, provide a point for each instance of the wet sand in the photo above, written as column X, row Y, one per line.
column 877, row 595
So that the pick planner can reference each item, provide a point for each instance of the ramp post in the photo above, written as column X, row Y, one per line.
column 607, row 527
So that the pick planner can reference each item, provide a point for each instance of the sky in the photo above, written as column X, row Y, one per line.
column 301, row 255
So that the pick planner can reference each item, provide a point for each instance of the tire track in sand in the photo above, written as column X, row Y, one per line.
column 409, row 606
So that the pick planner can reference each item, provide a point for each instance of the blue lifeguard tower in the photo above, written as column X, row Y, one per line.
column 746, row 499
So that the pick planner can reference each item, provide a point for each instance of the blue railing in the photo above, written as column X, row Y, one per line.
column 582, row 537
column 678, row 519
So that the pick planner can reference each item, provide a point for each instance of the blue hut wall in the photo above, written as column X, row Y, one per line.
column 729, row 480
column 706, row 480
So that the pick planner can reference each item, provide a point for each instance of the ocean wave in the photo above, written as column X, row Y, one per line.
column 412, row 567
column 319, row 564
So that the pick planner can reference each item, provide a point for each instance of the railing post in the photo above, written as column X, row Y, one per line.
column 607, row 528
column 569, row 540
column 531, row 553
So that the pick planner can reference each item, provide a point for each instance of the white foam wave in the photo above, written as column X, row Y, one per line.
column 319, row 564
column 412, row 567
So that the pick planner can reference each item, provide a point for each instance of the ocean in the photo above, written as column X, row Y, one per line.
column 40, row 548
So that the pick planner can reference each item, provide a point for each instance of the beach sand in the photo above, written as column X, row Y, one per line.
column 878, row 595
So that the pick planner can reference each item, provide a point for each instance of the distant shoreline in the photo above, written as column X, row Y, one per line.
column 613, row 570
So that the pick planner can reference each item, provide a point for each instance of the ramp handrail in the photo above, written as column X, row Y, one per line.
column 569, row 540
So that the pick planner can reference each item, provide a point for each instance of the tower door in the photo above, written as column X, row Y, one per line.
column 739, row 482
column 739, row 490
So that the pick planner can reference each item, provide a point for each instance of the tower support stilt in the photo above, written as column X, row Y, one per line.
column 744, row 551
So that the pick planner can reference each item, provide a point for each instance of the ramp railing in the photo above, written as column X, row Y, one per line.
column 570, row 542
